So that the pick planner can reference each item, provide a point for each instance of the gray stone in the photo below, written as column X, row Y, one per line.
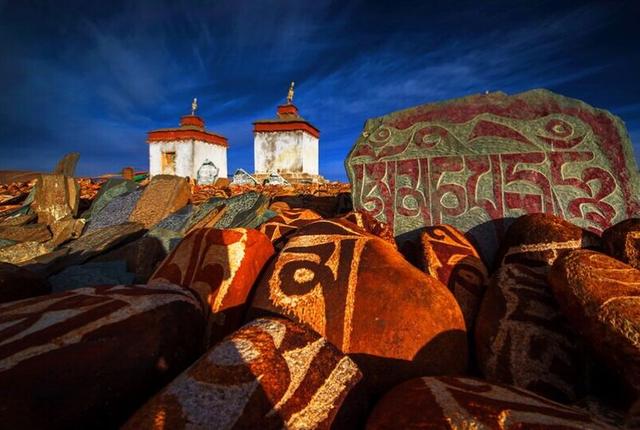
column 142, row 257
column 91, row 275
column 244, row 210
column 87, row 246
column 111, row 189
column 241, row 177
column 207, row 173
column 6, row 242
column 275, row 179
column 116, row 212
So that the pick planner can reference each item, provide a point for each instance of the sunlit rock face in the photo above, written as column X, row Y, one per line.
column 182, row 151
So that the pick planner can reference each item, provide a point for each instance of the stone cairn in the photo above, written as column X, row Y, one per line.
column 481, row 274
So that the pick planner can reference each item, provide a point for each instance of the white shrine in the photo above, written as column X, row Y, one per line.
column 182, row 151
column 287, row 145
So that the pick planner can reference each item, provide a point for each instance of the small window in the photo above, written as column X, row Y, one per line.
column 168, row 163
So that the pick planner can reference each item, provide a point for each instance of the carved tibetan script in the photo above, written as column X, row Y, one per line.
column 489, row 157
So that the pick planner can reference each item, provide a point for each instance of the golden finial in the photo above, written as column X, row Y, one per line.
column 194, row 106
column 290, row 93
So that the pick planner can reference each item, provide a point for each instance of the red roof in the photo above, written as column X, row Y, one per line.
column 288, row 120
column 191, row 127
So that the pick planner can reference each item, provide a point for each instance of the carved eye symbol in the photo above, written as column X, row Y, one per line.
column 381, row 135
column 559, row 128
column 429, row 137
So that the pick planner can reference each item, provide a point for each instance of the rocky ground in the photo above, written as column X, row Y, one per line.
column 159, row 304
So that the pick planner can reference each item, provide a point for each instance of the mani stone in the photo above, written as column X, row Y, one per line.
column 271, row 374
column 599, row 296
column 56, row 197
column 360, row 293
column 477, row 161
column 449, row 257
column 207, row 173
column 437, row 403
column 521, row 336
column 164, row 195
column 622, row 241
column 87, row 246
column 247, row 210
column 116, row 212
column 93, row 355
column 67, row 165
column 241, row 177
column 111, row 189
column 227, row 264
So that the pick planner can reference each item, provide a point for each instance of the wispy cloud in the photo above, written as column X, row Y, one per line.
column 95, row 78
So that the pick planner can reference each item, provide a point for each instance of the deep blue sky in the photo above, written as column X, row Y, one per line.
column 94, row 76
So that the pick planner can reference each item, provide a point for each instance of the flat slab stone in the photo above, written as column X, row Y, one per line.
column 87, row 246
column 111, row 189
column 56, row 197
column 116, row 212
column 164, row 195
column 479, row 161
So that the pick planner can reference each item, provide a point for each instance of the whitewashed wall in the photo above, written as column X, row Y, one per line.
column 214, row 153
column 310, row 155
column 285, row 151
column 189, row 157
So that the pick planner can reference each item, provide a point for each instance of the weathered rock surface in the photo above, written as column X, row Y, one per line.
column 164, row 195
column 278, row 228
column 18, row 220
column 622, row 241
column 87, row 246
column 270, row 374
column 474, row 161
column 245, row 210
column 67, row 165
column 91, row 274
column 358, row 291
column 599, row 296
column 221, row 266
column 365, row 221
column 142, row 257
column 56, row 197
column 17, row 283
column 65, row 230
column 539, row 239
column 111, row 189
column 521, row 336
column 450, row 258
column 467, row 403
column 22, row 252
column 107, row 348
column 117, row 211
column 26, row 233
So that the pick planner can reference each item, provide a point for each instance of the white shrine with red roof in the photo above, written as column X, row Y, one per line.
column 182, row 150
column 287, row 145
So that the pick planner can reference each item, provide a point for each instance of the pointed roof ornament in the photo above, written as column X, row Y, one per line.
column 290, row 93
column 194, row 106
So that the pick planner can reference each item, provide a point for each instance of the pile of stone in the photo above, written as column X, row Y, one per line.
column 272, row 309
